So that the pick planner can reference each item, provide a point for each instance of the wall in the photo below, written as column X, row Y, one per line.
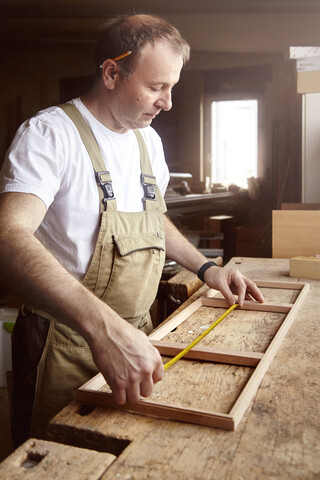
column 30, row 80
column 250, row 32
column 239, row 40
column 32, row 70
column 311, row 148
column 270, row 76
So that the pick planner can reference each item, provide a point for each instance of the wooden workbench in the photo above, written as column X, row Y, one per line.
column 278, row 437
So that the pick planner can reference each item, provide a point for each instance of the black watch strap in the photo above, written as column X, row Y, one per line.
column 204, row 268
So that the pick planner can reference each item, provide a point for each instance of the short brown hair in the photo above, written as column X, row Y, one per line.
column 131, row 33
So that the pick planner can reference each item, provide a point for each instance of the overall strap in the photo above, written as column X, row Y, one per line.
column 152, row 196
column 103, row 178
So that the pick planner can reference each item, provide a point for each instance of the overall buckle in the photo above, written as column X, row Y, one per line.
column 149, row 186
column 105, row 182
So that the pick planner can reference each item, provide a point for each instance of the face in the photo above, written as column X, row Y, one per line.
column 135, row 102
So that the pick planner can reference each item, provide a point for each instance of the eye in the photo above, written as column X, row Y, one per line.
column 155, row 88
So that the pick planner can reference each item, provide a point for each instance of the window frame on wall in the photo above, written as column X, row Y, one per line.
column 209, row 98
column 240, row 83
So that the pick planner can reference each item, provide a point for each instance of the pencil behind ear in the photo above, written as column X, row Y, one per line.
column 110, row 71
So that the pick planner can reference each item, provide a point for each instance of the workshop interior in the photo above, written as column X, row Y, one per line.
column 242, row 145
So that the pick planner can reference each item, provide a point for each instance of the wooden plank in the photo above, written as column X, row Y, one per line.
column 167, row 327
column 252, row 386
column 39, row 459
column 249, row 305
column 305, row 267
column 281, row 285
column 295, row 233
column 94, row 383
column 182, row 285
column 249, row 359
column 300, row 206
column 159, row 410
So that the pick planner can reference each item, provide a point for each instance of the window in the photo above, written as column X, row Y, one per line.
column 234, row 141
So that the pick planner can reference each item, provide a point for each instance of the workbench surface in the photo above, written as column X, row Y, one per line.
column 278, row 437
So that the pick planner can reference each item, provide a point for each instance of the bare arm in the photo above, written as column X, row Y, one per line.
column 228, row 281
column 124, row 355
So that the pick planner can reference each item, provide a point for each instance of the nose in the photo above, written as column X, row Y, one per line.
column 165, row 101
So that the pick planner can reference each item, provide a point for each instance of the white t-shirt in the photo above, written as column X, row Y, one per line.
column 48, row 159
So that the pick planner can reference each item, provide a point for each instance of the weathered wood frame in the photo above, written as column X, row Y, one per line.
column 90, row 391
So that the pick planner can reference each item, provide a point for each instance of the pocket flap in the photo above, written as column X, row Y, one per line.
column 133, row 243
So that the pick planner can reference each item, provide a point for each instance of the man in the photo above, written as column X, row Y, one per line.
column 83, row 232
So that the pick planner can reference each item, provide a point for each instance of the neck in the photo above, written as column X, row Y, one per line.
column 97, row 103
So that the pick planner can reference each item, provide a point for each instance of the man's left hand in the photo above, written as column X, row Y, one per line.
column 230, row 282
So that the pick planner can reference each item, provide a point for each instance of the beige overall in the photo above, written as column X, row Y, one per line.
column 124, row 272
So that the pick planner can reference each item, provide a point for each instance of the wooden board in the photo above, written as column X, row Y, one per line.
column 305, row 267
column 39, row 459
column 300, row 206
column 244, row 369
column 295, row 233
column 278, row 436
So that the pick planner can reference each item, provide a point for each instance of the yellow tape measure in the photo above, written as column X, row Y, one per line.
column 197, row 340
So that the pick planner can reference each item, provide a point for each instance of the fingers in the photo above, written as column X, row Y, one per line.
column 139, row 381
column 247, row 290
column 159, row 372
column 227, row 293
column 255, row 292
column 146, row 388
column 133, row 392
column 119, row 395
column 232, row 281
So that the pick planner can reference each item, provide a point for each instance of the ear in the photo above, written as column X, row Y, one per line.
column 110, row 73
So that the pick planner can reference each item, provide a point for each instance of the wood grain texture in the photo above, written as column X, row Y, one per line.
column 278, row 437
column 180, row 395
column 248, row 359
column 182, row 285
column 39, row 459
column 305, row 267
column 295, row 233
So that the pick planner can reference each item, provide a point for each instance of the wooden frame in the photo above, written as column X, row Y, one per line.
column 91, row 392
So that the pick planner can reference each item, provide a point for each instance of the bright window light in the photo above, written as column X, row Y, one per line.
column 234, row 141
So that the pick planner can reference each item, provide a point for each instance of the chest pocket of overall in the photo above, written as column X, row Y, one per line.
column 130, row 271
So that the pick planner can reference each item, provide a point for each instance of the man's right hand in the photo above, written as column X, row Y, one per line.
column 128, row 361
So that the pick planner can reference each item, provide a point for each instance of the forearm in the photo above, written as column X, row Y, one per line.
column 37, row 278
column 123, row 354
column 227, row 281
